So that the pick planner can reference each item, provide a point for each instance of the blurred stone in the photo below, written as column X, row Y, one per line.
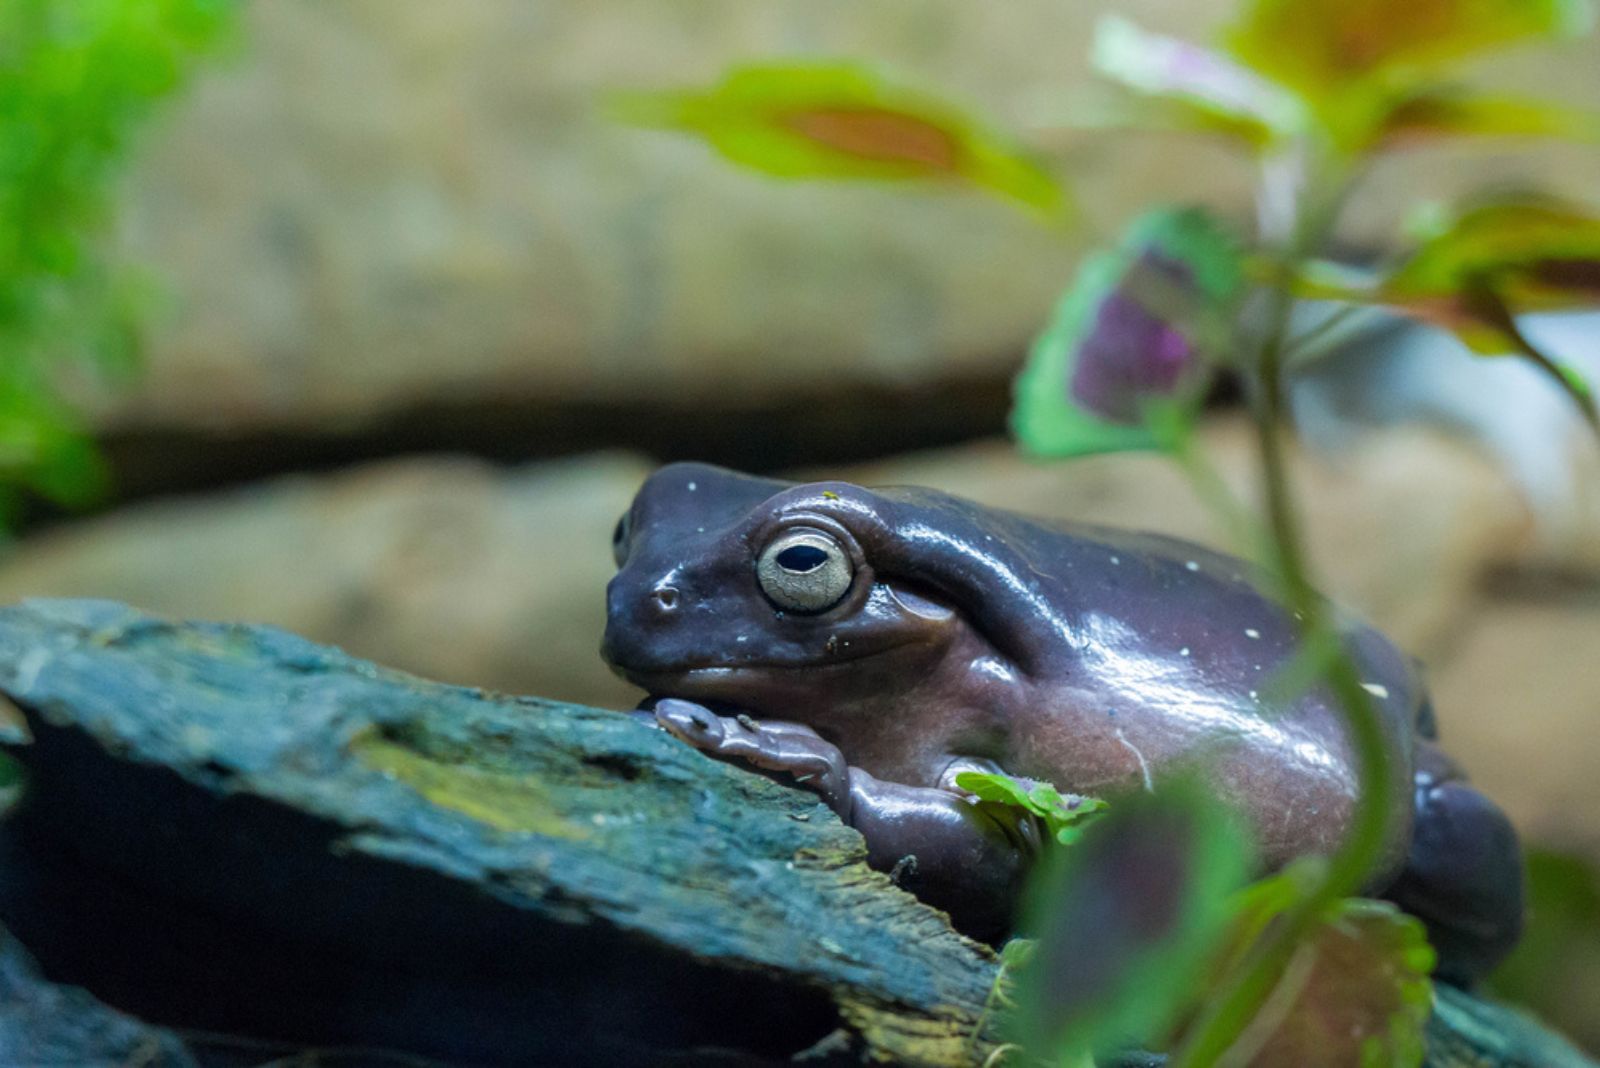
column 378, row 205
column 447, row 567
column 1519, row 697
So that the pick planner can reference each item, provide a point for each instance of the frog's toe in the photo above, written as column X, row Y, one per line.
column 693, row 723
column 1463, row 879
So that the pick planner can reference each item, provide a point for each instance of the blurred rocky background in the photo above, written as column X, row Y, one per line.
column 431, row 316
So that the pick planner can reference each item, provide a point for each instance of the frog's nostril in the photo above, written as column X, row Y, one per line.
column 666, row 597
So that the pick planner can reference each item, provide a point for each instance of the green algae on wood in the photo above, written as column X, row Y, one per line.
column 504, row 801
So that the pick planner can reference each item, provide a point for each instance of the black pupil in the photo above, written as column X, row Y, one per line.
column 802, row 558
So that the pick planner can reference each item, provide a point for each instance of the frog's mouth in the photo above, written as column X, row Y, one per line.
column 729, row 681
column 734, row 685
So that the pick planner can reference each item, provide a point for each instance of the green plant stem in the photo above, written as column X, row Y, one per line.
column 1224, row 1017
column 1244, row 534
column 1489, row 303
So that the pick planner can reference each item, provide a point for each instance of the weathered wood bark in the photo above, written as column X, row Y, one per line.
column 41, row 1023
column 231, row 829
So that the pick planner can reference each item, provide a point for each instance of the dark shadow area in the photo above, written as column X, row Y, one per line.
column 813, row 428
column 182, row 924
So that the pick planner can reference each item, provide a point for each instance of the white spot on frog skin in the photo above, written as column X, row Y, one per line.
column 1252, row 695
column 1144, row 768
column 742, row 638
column 1184, row 651
column 1114, row 650
column 995, row 669
column 1251, row 632
column 1375, row 689
column 1193, row 565
column 1116, row 560
column 693, row 487
column 699, row 530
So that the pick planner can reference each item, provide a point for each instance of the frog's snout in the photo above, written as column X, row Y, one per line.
column 639, row 616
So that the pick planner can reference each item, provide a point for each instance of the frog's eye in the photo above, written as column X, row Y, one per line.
column 804, row 571
column 619, row 540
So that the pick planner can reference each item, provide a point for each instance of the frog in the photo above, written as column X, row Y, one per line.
column 872, row 644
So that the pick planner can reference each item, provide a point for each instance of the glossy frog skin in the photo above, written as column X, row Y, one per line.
column 872, row 643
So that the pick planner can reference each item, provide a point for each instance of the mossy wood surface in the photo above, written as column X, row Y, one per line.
column 228, row 829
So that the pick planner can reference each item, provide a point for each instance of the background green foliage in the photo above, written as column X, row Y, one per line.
column 76, row 80
column 1554, row 966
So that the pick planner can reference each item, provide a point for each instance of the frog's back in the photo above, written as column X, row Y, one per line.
column 1140, row 605
column 1153, row 601
column 1145, row 652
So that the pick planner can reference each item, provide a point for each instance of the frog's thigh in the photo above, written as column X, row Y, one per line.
column 1463, row 878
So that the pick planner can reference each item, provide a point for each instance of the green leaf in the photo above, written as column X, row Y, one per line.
column 1127, row 922
column 1064, row 816
column 1325, row 49
column 1133, row 344
column 1204, row 90
column 840, row 120
column 1357, row 991
column 76, row 82
column 45, row 448
column 1429, row 116
column 1555, row 969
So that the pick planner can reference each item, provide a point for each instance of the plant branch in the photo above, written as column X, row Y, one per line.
column 1225, row 1017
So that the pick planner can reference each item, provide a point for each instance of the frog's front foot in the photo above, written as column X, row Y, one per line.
column 783, row 748
column 952, row 851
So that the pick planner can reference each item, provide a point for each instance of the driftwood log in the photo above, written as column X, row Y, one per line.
column 261, row 846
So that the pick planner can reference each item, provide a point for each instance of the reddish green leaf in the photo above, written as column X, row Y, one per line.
column 1128, row 354
column 1356, row 992
column 1324, row 48
column 1538, row 251
column 1474, row 273
column 810, row 120
column 1477, row 272
column 1127, row 922
column 1198, row 88
column 1430, row 116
